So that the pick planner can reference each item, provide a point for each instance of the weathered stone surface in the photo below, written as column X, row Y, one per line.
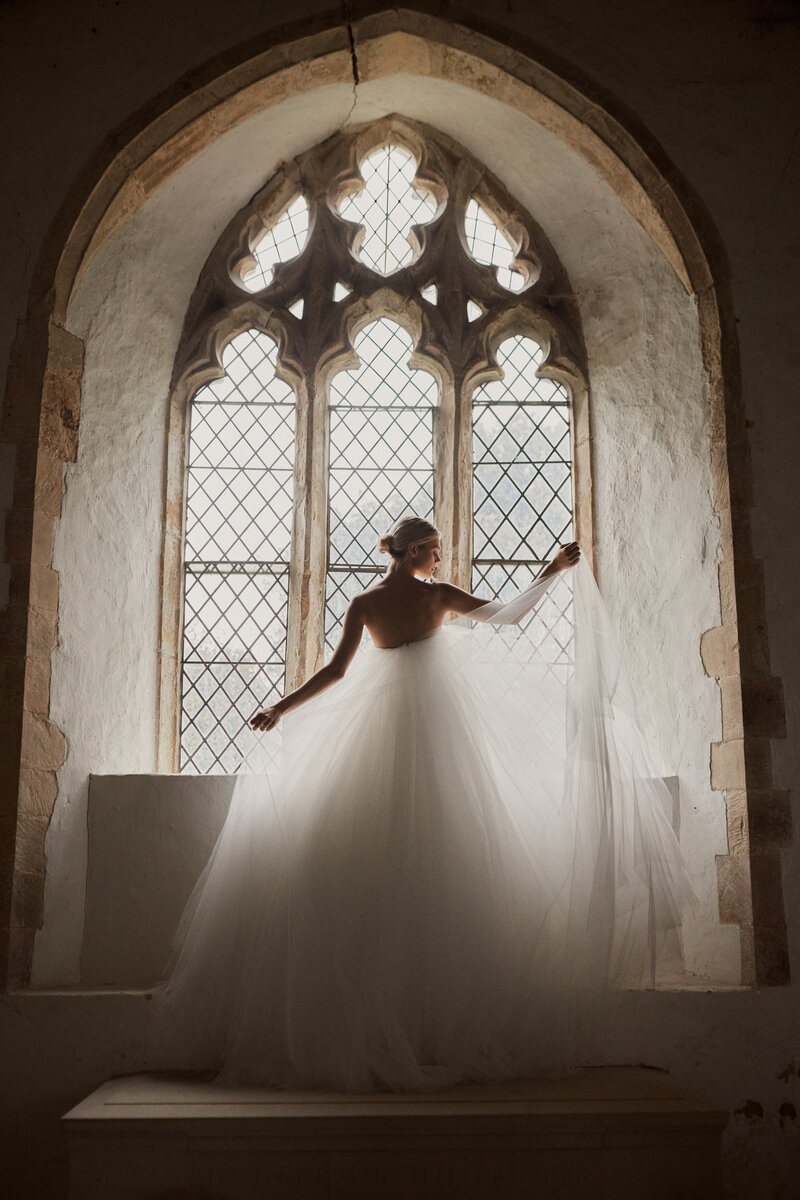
column 37, row 792
column 735, row 900
column 31, row 832
column 719, row 650
column 737, row 822
column 43, row 743
column 61, row 402
column 37, row 686
column 741, row 763
column 730, row 688
column 49, row 481
column 42, row 632
column 44, row 587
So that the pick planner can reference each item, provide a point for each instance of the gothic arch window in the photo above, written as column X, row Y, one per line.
column 381, row 330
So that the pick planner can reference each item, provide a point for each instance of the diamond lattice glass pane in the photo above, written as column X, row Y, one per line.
column 387, row 206
column 384, row 376
column 489, row 245
column 234, row 616
column 522, row 480
column 285, row 240
column 381, row 445
column 381, row 458
column 218, row 701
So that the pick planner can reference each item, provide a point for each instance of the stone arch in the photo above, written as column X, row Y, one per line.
column 47, row 370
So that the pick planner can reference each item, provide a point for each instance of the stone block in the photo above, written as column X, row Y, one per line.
column 727, row 591
column 43, row 587
column 737, row 822
column 37, row 792
column 37, row 686
column 719, row 650
column 64, row 350
column 733, row 885
column 31, row 833
column 741, row 763
column 728, row 765
column 720, row 484
column 42, row 632
column 43, row 743
column 730, row 689
column 49, row 481
column 41, row 546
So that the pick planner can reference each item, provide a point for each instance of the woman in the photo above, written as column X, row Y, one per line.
column 435, row 870
column 399, row 609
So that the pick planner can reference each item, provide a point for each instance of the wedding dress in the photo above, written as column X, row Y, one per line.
column 436, row 869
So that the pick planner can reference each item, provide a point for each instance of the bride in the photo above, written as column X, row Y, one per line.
column 436, row 869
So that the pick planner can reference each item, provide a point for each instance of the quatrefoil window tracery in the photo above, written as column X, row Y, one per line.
column 395, row 299
column 387, row 208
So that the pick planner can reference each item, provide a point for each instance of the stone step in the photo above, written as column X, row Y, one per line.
column 608, row 1132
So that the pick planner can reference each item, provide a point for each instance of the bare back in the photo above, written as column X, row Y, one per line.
column 401, row 609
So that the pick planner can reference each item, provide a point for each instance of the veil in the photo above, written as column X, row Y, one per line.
column 550, row 661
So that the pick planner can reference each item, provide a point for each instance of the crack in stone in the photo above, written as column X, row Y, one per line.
column 351, row 37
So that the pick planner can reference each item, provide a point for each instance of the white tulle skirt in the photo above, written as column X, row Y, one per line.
column 436, row 869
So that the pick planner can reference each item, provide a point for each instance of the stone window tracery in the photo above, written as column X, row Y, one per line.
column 385, row 291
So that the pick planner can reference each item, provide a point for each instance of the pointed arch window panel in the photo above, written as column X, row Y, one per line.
column 238, row 540
column 381, row 460
column 522, row 483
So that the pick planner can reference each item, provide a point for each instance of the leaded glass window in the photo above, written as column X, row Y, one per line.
column 391, row 272
column 522, row 481
column 238, row 535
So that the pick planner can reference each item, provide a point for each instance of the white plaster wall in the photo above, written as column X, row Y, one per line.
column 656, row 535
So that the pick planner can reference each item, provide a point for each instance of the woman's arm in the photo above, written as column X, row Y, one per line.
column 461, row 602
column 334, row 670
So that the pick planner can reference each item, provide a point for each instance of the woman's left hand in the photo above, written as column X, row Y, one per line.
column 567, row 556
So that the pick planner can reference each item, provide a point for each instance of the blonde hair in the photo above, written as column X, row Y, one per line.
column 403, row 533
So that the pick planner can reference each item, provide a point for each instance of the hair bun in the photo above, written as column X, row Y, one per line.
column 386, row 544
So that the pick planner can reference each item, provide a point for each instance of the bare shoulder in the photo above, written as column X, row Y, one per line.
column 455, row 599
column 362, row 601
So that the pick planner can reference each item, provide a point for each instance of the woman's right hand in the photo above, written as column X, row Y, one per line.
column 267, row 719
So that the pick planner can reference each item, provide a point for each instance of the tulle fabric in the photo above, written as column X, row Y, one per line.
column 437, row 869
